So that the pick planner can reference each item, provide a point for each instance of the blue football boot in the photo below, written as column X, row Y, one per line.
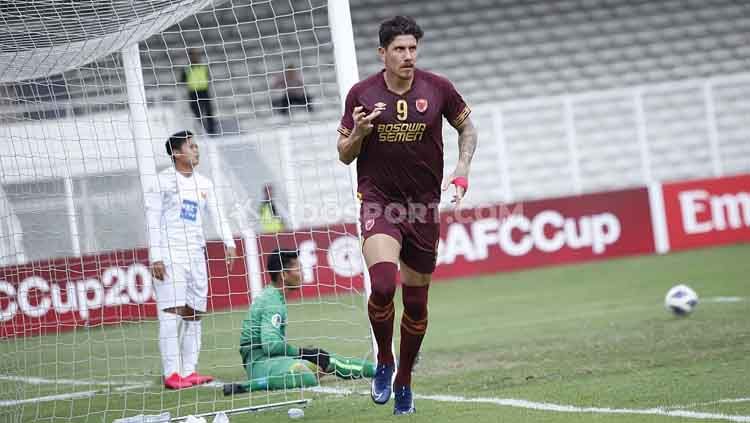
column 404, row 401
column 381, row 383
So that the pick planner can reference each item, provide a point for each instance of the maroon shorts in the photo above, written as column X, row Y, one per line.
column 418, row 236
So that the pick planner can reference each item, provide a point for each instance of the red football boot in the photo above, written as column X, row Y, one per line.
column 175, row 381
column 197, row 379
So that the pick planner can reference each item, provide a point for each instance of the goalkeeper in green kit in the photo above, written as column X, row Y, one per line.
column 269, row 361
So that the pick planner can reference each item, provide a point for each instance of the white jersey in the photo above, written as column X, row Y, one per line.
column 176, row 206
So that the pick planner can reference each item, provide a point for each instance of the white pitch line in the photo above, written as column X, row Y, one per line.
column 721, row 401
column 43, row 381
column 334, row 391
column 544, row 406
column 723, row 300
column 214, row 384
column 71, row 395
column 131, row 387
column 74, row 382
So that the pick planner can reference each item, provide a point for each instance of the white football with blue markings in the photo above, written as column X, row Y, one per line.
column 681, row 300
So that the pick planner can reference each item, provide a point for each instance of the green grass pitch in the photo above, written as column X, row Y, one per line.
column 593, row 339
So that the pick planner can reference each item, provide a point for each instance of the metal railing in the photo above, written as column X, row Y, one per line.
column 593, row 141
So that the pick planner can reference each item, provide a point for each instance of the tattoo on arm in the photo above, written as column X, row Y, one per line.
column 467, row 143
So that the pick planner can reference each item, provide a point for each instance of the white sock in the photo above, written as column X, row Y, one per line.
column 191, row 345
column 169, row 343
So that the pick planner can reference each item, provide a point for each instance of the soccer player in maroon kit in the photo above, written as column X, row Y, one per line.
column 392, row 125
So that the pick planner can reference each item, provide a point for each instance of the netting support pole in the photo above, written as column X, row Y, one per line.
column 289, row 177
column 75, row 235
column 498, row 130
column 640, row 125
column 138, row 118
column 713, row 130
column 347, row 74
column 252, row 262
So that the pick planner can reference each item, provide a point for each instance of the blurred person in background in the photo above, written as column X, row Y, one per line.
column 292, row 89
column 197, row 80
column 269, row 215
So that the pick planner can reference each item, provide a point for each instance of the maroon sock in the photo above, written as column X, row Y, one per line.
column 413, row 328
column 380, row 307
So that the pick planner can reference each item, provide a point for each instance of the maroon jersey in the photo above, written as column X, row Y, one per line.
column 402, row 158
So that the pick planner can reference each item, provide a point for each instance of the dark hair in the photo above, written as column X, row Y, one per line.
column 398, row 25
column 174, row 143
column 278, row 261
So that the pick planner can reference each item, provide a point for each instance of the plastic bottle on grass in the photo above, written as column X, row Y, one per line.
column 295, row 413
column 164, row 417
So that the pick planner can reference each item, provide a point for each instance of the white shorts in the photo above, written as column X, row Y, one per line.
column 186, row 284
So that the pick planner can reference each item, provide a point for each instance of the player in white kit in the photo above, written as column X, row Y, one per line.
column 176, row 205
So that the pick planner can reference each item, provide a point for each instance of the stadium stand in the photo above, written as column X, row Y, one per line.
column 496, row 51
column 503, row 50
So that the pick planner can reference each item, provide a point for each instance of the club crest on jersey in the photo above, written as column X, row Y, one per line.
column 276, row 320
column 422, row 105
column 369, row 224
column 380, row 105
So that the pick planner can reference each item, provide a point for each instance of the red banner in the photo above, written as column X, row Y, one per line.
column 708, row 212
column 58, row 295
column 545, row 232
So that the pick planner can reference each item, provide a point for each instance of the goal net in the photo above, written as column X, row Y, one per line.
column 89, row 93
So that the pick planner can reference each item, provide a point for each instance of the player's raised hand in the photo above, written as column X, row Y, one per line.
column 363, row 121
column 158, row 270
column 461, row 183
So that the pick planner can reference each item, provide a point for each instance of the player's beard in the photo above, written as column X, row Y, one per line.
column 406, row 72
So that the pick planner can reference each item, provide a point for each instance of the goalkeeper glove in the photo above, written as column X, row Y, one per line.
column 317, row 356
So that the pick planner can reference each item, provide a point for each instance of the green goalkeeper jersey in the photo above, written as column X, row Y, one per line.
column 264, row 330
